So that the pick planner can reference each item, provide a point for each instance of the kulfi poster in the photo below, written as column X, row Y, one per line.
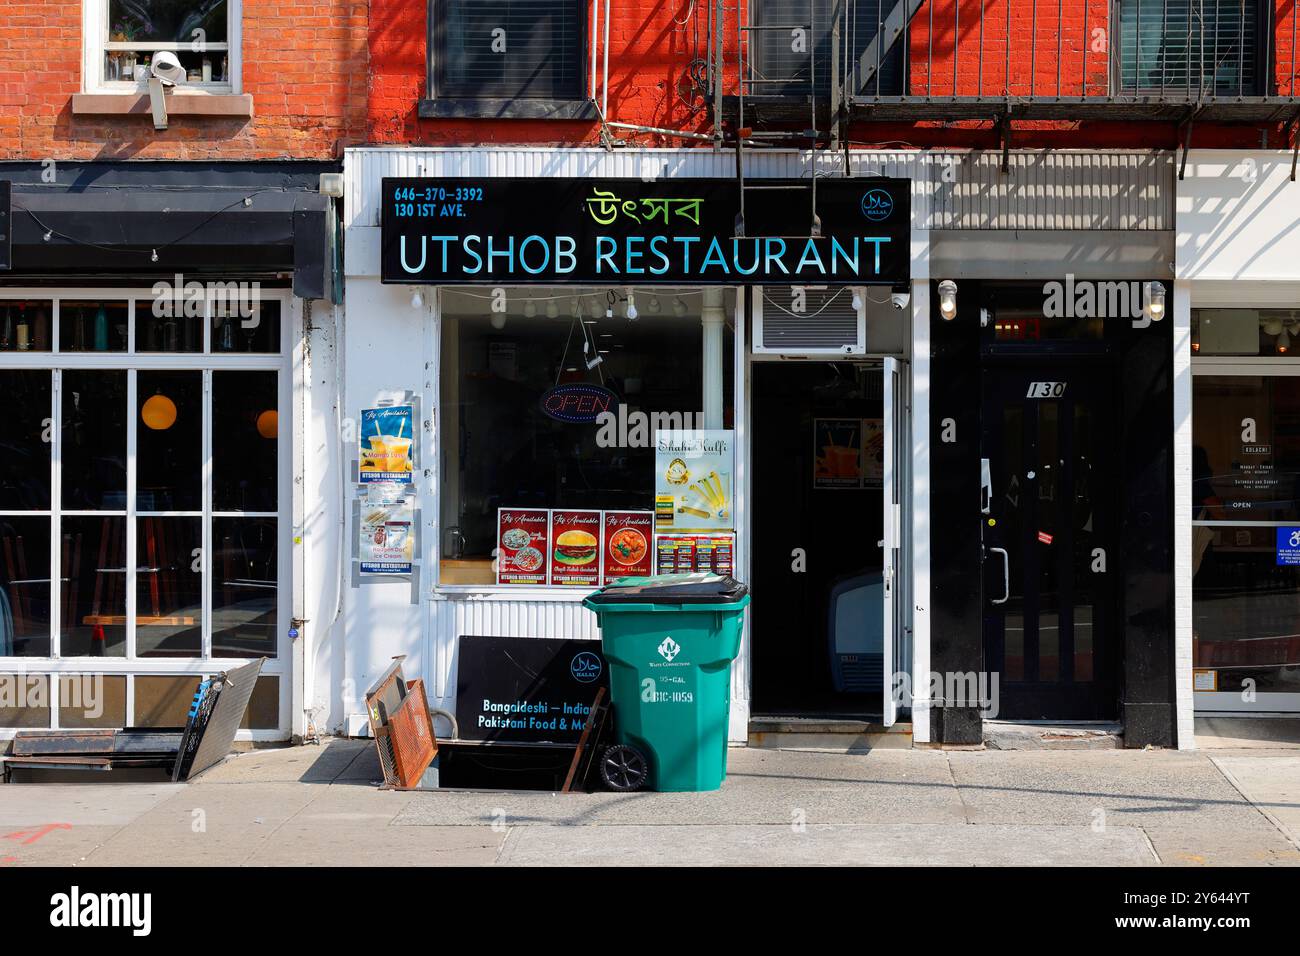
column 575, row 548
column 387, row 444
column 625, row 544
column 693, row 479
column 522, row 545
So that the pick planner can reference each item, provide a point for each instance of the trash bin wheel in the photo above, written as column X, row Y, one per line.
column 623, row 768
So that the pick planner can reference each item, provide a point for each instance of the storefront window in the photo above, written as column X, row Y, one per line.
column 1246, row 538
column 1271, row 332
column 501, row 448
column 139, row 500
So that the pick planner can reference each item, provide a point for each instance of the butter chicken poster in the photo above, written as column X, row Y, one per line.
column 625, row 545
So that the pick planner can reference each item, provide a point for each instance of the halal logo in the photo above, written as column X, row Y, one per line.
column 585, row 667
column 877, row 205
column 669, row 649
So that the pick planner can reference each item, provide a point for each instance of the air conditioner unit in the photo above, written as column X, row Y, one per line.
column 807, row 321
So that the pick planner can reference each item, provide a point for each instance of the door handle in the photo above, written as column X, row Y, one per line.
column 1006, row 576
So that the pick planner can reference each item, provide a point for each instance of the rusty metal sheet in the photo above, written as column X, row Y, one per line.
column 35, row 743
column 410, row 732
column 383, row 699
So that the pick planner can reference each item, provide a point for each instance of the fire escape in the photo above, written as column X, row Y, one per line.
column 806, row 72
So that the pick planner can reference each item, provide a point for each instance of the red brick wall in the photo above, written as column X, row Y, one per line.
column 650, row 53
column 304, row 64
column 649, row 57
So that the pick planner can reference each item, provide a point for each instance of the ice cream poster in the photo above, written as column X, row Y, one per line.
column 387, row 535
column 387, row 444
column 693, row 480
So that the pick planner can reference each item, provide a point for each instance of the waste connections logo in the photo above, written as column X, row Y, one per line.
column 76, row 909
column 669, row 649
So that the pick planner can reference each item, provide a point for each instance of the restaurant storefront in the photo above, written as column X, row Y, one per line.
column 613, row 374
column 147, row 505
column 936, row 444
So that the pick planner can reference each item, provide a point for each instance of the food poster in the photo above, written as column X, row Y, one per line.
column 693, row 480
column 575, row 548
column 523, row 537
column 387, row 530
column 837, row 453
column 625, row 545
column 387, row 444
column 848, row 452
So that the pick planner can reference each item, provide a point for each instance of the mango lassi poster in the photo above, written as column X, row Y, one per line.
column 387, row 444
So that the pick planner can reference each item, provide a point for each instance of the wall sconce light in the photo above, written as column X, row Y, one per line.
column 857, row 300
column 417, row 300
column 948, row 300
column 1154, row 304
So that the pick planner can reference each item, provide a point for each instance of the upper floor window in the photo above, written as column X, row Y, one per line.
column 792, row 48
column 123, row 36
column 1209, row 47
column 507, row 49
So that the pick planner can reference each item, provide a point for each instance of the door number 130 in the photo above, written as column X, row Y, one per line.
column 1045, row 390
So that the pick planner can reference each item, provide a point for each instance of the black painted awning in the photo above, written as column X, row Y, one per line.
column 146, row 219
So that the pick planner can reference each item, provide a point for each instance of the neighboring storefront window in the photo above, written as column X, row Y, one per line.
column 1246, row 516
column 501, row 448
column 140, row 511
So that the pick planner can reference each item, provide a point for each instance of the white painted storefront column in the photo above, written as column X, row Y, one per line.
column 713, row 318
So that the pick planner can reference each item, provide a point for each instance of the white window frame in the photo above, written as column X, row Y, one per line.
column 96, row 44
column 206, row 361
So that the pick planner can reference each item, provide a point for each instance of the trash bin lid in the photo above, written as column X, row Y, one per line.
column 672, row 589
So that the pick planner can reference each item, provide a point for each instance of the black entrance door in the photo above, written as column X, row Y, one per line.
column 1049, row 511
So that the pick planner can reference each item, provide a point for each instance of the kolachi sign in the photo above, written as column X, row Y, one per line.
column 631, row 232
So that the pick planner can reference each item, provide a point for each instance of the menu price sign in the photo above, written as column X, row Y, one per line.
column 625, row 544
column 523, row 541
column 387, row 444
column 575, row 548
column 693, row 479
column 695, row 553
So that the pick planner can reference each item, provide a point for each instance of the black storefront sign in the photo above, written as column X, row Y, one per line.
column 533, row 689
column 477, row 231
column 6, row 224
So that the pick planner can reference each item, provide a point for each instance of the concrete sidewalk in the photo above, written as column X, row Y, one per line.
column 319, row 805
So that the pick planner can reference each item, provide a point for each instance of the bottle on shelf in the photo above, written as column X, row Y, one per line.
column 24, row 329
column 101, row 330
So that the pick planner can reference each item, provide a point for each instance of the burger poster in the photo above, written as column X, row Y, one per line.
column 523, row 536
column 625, row 545
column 575, row 548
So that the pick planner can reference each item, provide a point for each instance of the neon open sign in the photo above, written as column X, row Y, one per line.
column 578, row 403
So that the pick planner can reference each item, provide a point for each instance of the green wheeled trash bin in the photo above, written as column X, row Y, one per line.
column 669, row 642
